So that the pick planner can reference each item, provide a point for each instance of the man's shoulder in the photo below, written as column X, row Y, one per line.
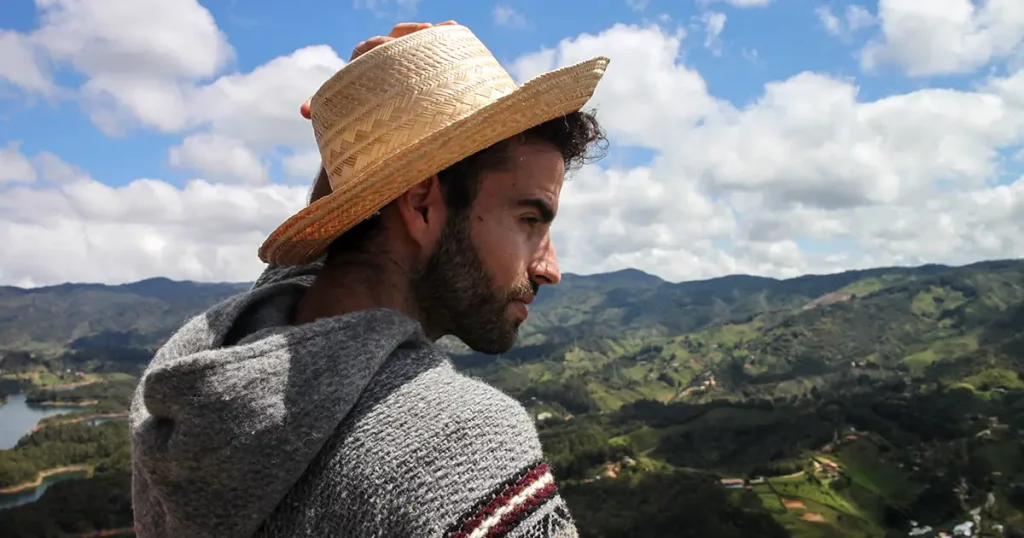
column 423, row 392
column 430, row 447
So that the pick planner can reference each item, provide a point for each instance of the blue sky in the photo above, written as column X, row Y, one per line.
column 788, row 38
column 775, row 137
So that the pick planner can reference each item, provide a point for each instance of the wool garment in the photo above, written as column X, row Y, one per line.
column 357, row 425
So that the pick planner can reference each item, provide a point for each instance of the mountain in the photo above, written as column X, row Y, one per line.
column 54, row 318
column 766, row 337
column 618, row 304
column 630, row 301
column 597, row 342
column 870, row 403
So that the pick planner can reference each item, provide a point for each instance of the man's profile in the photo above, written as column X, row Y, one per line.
column 318, row 403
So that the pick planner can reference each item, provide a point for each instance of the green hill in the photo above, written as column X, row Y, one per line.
column 604, row 305
column 810, row 333
column 851, row 404
column 52, row 318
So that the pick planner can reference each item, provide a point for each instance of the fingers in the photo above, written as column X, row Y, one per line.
column 401, row 29
column 369, row 44
column 406, row 28
column 304, row 110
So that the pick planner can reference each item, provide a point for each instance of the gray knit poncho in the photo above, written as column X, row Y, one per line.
column 352, row 426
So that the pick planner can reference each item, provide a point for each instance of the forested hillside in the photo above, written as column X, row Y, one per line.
column 864, row 403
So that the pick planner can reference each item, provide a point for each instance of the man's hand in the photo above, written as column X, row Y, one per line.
column 322, row 187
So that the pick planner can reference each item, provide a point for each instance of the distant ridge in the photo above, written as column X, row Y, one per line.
column 618, row 303
column 620, row 275
column 147, row 286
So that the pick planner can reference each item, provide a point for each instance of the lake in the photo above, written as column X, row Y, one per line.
column 10, row 500
column 17, row 418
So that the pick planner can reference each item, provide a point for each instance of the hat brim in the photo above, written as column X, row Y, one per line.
column 304, row 236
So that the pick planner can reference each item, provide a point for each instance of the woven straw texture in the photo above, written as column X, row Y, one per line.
column 407, row 110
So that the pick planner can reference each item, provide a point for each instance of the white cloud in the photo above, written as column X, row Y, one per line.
column 811, row 176
column 261, row 108
column 644, row 71
column 810, row 140
column 855, row 18
column 302, row 165
column 714, row 23
column 829, row 20
column 14, row 166
column 82, row 230
column 21, row 65
column 139, row 56
column 504, row 15
column 55, row 171
column 858, row 17
column 751, row 55
column 638, row 5
column 809, row 160
column 219, row 158
column 154, row 38
column 945, row 36
column 145, row 62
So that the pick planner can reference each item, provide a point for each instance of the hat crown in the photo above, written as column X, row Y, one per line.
column 400, row 92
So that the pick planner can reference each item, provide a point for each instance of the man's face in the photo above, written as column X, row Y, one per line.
column 490, row 262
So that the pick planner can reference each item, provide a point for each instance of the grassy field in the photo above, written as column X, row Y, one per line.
column 645, row 440
column 941, row 350
column 810, row 509
column 872, row 284
column 809, row 506
column 863, row 463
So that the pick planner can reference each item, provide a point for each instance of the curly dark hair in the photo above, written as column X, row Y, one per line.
column 578, row 136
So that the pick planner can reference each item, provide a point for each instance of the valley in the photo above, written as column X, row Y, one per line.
column 883, row 402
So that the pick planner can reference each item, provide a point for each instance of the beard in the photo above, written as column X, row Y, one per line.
column 456, row 294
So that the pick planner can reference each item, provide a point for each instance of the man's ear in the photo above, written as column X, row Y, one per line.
column 423, row 212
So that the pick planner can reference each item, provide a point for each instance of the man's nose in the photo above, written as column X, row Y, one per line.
column 544, row 268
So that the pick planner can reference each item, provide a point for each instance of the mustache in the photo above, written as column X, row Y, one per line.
column 523, row 290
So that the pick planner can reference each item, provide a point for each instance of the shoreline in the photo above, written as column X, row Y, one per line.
column 58, row 403
column 18, row 488
column 68, row 386
column 37, row 427
column 58, row 387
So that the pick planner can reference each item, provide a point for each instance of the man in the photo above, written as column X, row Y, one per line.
column 317, row 403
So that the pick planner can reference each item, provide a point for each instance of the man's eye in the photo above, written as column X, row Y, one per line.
column 531, row 220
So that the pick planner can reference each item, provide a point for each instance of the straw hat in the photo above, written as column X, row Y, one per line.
column 407, row 110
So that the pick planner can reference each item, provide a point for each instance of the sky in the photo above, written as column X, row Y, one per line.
column 143, row 138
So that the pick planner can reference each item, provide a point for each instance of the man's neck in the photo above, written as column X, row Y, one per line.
column 343, row 288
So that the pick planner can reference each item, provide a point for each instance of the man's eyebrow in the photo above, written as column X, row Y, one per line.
column 547, row 213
